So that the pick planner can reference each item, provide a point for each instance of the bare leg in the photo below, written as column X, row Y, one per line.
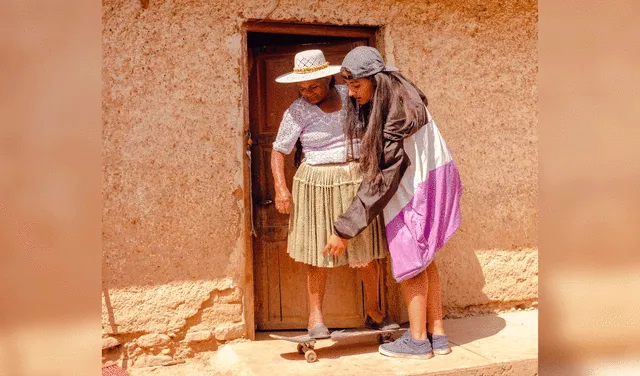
column 415, row 295
column 434, row 301
column 316, row 282
column 370, row 279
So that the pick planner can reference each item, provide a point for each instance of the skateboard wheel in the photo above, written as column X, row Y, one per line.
column 310, row 356
column 300, row 348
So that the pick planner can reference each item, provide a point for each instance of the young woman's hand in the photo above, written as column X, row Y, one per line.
column 336, row 246
column 283, row 200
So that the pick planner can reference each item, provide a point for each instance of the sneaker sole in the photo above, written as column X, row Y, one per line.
column 405, row 356
column 442, row 352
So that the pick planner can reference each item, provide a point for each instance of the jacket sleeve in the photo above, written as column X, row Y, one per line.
column 369, row 202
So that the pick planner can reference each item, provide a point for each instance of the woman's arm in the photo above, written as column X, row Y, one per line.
column 288, row 133
column 369, row 202
column 283, row 196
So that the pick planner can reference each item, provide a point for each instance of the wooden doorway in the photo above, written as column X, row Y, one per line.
column 280, row 283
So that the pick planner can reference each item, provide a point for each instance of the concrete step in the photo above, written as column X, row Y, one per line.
column 505, row 344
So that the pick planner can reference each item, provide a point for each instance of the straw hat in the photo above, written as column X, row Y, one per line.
column 309, row 65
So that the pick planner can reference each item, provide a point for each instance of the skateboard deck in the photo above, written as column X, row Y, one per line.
column 337, row 335
column 306, row 344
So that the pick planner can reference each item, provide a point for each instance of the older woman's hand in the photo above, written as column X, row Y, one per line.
column 283, row 200
column 336, row 246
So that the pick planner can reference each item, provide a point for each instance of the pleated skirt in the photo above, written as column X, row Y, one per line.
column 320, row 195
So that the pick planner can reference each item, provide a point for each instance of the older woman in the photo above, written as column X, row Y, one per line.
column 324, row 185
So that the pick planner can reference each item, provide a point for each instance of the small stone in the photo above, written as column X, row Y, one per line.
column 109, row 342
column 203, row 335
column 152, row 340
column 136, row 352
column 152, row 360
column 230, row 296
column 166, row 351
column 174, row 362
column 158, row 360
column 229, row 332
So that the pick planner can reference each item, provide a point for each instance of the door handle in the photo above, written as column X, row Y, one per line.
column 250, row 142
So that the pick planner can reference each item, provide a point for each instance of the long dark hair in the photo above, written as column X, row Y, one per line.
column 365, row 122
column 297, row 157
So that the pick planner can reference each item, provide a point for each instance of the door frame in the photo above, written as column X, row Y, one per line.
column 258, row 26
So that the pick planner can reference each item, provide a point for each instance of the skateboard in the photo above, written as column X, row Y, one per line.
column 306, row 344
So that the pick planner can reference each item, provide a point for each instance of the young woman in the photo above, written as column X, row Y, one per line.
column 409, row 177
column 323, row 187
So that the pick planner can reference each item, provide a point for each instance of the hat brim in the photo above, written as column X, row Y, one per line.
column 300, row 77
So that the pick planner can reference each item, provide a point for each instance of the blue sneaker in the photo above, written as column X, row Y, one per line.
column 407, row 347
column 440, row 344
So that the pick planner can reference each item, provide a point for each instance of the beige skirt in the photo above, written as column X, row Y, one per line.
column 320, row 195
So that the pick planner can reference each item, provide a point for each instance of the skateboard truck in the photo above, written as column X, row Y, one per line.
column 306, row 348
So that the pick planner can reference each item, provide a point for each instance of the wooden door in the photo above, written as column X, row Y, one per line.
column 280, row 282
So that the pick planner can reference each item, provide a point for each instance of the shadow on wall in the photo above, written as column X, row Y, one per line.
column 462, row 282
column 109, row 306
column 114, row 353
column 461, row 276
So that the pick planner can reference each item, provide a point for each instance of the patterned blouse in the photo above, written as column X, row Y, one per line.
column 321, row 134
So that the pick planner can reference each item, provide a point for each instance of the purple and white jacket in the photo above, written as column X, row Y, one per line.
column 420, row 198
